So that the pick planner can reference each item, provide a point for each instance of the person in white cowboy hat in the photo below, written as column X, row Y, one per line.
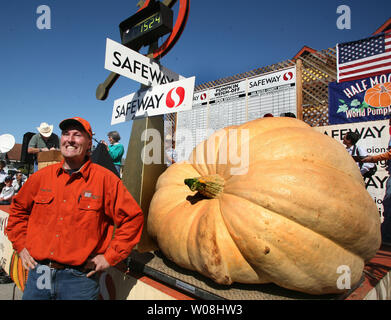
column 44, row 140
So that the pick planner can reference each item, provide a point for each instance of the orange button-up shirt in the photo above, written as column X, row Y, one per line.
column 68, row 218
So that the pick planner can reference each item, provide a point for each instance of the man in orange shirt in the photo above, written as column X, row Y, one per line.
column 63, row 218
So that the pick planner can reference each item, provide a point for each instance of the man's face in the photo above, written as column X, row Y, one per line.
column 19, row 176
column 75, row 144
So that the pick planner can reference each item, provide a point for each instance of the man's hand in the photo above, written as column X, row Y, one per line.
column 27, row 260
column 97, row 263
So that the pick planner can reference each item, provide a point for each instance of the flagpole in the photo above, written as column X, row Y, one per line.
column 337, row 57
column 299, row 89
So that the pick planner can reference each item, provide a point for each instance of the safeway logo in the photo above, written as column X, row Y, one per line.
column 176, row 99
column 167, row 98
column 288, row 76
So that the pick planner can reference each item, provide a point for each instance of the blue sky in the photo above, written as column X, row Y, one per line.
column 50, row 75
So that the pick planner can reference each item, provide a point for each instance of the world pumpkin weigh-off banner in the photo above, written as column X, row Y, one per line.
column 367, row 99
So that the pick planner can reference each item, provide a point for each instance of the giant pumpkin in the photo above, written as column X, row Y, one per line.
column 298, row 215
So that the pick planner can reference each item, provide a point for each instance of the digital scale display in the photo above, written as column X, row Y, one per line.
column 146, row 26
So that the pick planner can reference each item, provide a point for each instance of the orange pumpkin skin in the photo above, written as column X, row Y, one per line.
column 299, row 213
column 379, row 96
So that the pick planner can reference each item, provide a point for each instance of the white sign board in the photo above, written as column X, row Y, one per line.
column 167, row 98
column 135, row 66
column 374, row 140
column 272, row 80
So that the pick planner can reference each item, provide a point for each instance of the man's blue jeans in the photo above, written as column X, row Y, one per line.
column 44, row 283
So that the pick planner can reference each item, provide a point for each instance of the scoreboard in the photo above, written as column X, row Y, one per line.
column 232, row 104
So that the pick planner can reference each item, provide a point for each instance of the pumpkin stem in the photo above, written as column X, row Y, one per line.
column 209, row 186
column 383, row 89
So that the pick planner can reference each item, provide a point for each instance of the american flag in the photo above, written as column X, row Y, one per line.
column 364, row 58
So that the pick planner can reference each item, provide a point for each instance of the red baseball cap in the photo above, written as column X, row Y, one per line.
column 78, row 121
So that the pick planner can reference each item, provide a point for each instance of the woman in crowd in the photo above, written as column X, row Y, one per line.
column 115, row 149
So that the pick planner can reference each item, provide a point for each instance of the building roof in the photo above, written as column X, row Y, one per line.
column 384, row 27
column 15, row 153
column 303, row 51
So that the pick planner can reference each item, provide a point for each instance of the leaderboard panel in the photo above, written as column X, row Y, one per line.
column 233, row 104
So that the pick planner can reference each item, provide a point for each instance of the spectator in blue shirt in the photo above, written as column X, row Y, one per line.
column 115, row 149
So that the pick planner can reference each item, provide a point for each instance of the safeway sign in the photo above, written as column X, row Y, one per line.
column 135, row 66
column 167, row 98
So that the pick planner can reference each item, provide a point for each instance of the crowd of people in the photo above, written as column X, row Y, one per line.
column 366, row 164
column 10, row 184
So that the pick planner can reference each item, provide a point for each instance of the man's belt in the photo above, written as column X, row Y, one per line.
column 60, row 266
